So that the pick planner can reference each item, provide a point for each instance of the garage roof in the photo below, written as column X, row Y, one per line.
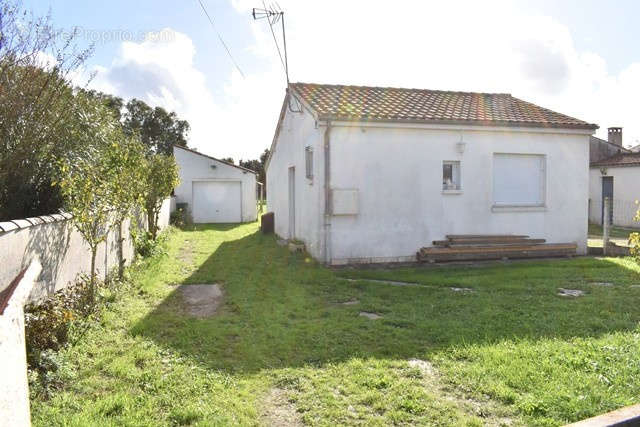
column 213, row 158
column 366, row 103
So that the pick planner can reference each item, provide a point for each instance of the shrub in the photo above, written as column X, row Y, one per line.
column 146, row 245
column 180, row 217
column 634, row 240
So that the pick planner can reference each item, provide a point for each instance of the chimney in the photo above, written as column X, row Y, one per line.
column 615, row 136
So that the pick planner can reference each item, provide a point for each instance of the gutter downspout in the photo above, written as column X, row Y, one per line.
column 327, row 194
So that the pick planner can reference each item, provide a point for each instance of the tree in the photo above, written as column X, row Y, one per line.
column 159, row 130
column 125, row 161
column 90, row 180
column 229, row 160
column 258, row 166
column 161, row 177
column 36, row 99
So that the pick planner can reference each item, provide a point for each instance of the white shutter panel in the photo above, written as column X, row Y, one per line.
column 518, row 179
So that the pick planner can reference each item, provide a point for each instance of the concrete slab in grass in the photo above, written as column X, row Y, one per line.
column 201, row 300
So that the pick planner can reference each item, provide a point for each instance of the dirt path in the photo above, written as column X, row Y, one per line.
column 492, row 413
column 278, row 411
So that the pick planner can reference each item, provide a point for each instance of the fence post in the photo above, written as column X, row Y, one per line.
column 605, row 226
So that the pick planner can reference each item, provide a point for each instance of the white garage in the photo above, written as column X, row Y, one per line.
column 215, row 191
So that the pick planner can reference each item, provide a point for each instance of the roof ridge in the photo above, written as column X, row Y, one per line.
column 403, row 88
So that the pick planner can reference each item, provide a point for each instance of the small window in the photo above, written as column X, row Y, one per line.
column 451, row 175
column 308, row 161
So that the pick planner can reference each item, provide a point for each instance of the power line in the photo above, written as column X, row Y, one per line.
column 213, row 25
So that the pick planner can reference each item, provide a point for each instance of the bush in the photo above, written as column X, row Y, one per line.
column 180, row 217
column 634, row 240
column 146, row 246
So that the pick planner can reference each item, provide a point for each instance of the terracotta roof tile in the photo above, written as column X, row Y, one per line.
column 620, row 159
column 363, row 103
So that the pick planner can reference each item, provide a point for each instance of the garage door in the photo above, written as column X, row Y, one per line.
column 217, row 201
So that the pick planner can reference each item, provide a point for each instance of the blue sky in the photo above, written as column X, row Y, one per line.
column 576, row 57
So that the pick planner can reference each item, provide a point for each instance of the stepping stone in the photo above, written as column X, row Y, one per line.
column 601, row 283
column 201, row 300
column 634, row 286
column 350, row 302
column 570, row 292
column 387, row 282
column 462, row 289
column 282, row 242
column 370, row 316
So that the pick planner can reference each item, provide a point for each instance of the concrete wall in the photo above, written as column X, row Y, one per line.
column 297, row 132
column 626, row 190
column 397, row 174
column 61, row 250
column 197, row 167
column 14, row 398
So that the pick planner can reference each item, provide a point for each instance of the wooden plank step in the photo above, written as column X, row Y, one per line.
column 485, row 253
column 487, row 242
column 486, row 236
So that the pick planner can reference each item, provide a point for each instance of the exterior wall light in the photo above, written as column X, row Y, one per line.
column 213, row 166
column 603, row 171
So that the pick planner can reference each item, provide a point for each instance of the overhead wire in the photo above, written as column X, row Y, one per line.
column 213, row 25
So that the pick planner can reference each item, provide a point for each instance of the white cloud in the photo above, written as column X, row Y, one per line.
column 477, row 46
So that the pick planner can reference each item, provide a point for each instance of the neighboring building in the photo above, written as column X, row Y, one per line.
column 214, row 190
column 616, row 177
column 370, row 174
column 600, row 149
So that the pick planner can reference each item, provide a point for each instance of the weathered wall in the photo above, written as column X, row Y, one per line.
column 626, row 190
column 297, row 132
column 397, row 172
column 196, row 167
column 61, row 250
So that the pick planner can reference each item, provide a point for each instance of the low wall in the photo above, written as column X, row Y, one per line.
column 14, row 399
column 61, row 250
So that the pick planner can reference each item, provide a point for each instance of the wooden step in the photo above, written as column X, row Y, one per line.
column 469, row 253
column 485, row 236
column 487, row 242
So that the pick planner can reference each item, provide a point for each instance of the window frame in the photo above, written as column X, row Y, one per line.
column 308, row 162
column 542, row 184
column 456, row 175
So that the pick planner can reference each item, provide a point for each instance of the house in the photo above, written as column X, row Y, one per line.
column 600, row 149
column 214, row 190
column 372, row 174
column 618, row 177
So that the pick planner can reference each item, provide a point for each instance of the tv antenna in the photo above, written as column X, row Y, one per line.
column 274, row 14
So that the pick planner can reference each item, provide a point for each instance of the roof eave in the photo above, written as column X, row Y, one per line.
column 585, row 126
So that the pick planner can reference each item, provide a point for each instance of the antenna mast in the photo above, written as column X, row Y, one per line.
column 273, row 14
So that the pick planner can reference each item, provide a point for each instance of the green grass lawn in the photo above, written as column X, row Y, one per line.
column 283, row 347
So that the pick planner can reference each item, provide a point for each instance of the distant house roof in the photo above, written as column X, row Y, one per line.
column 213, row 158
column 620, row 159
column 364, row 103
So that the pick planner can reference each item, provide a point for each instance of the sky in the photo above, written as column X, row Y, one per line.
column 576, row 57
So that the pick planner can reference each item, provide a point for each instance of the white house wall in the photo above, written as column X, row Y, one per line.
column 297, row 132
column 195, row 167
column 626, row 190
column 398, row 175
